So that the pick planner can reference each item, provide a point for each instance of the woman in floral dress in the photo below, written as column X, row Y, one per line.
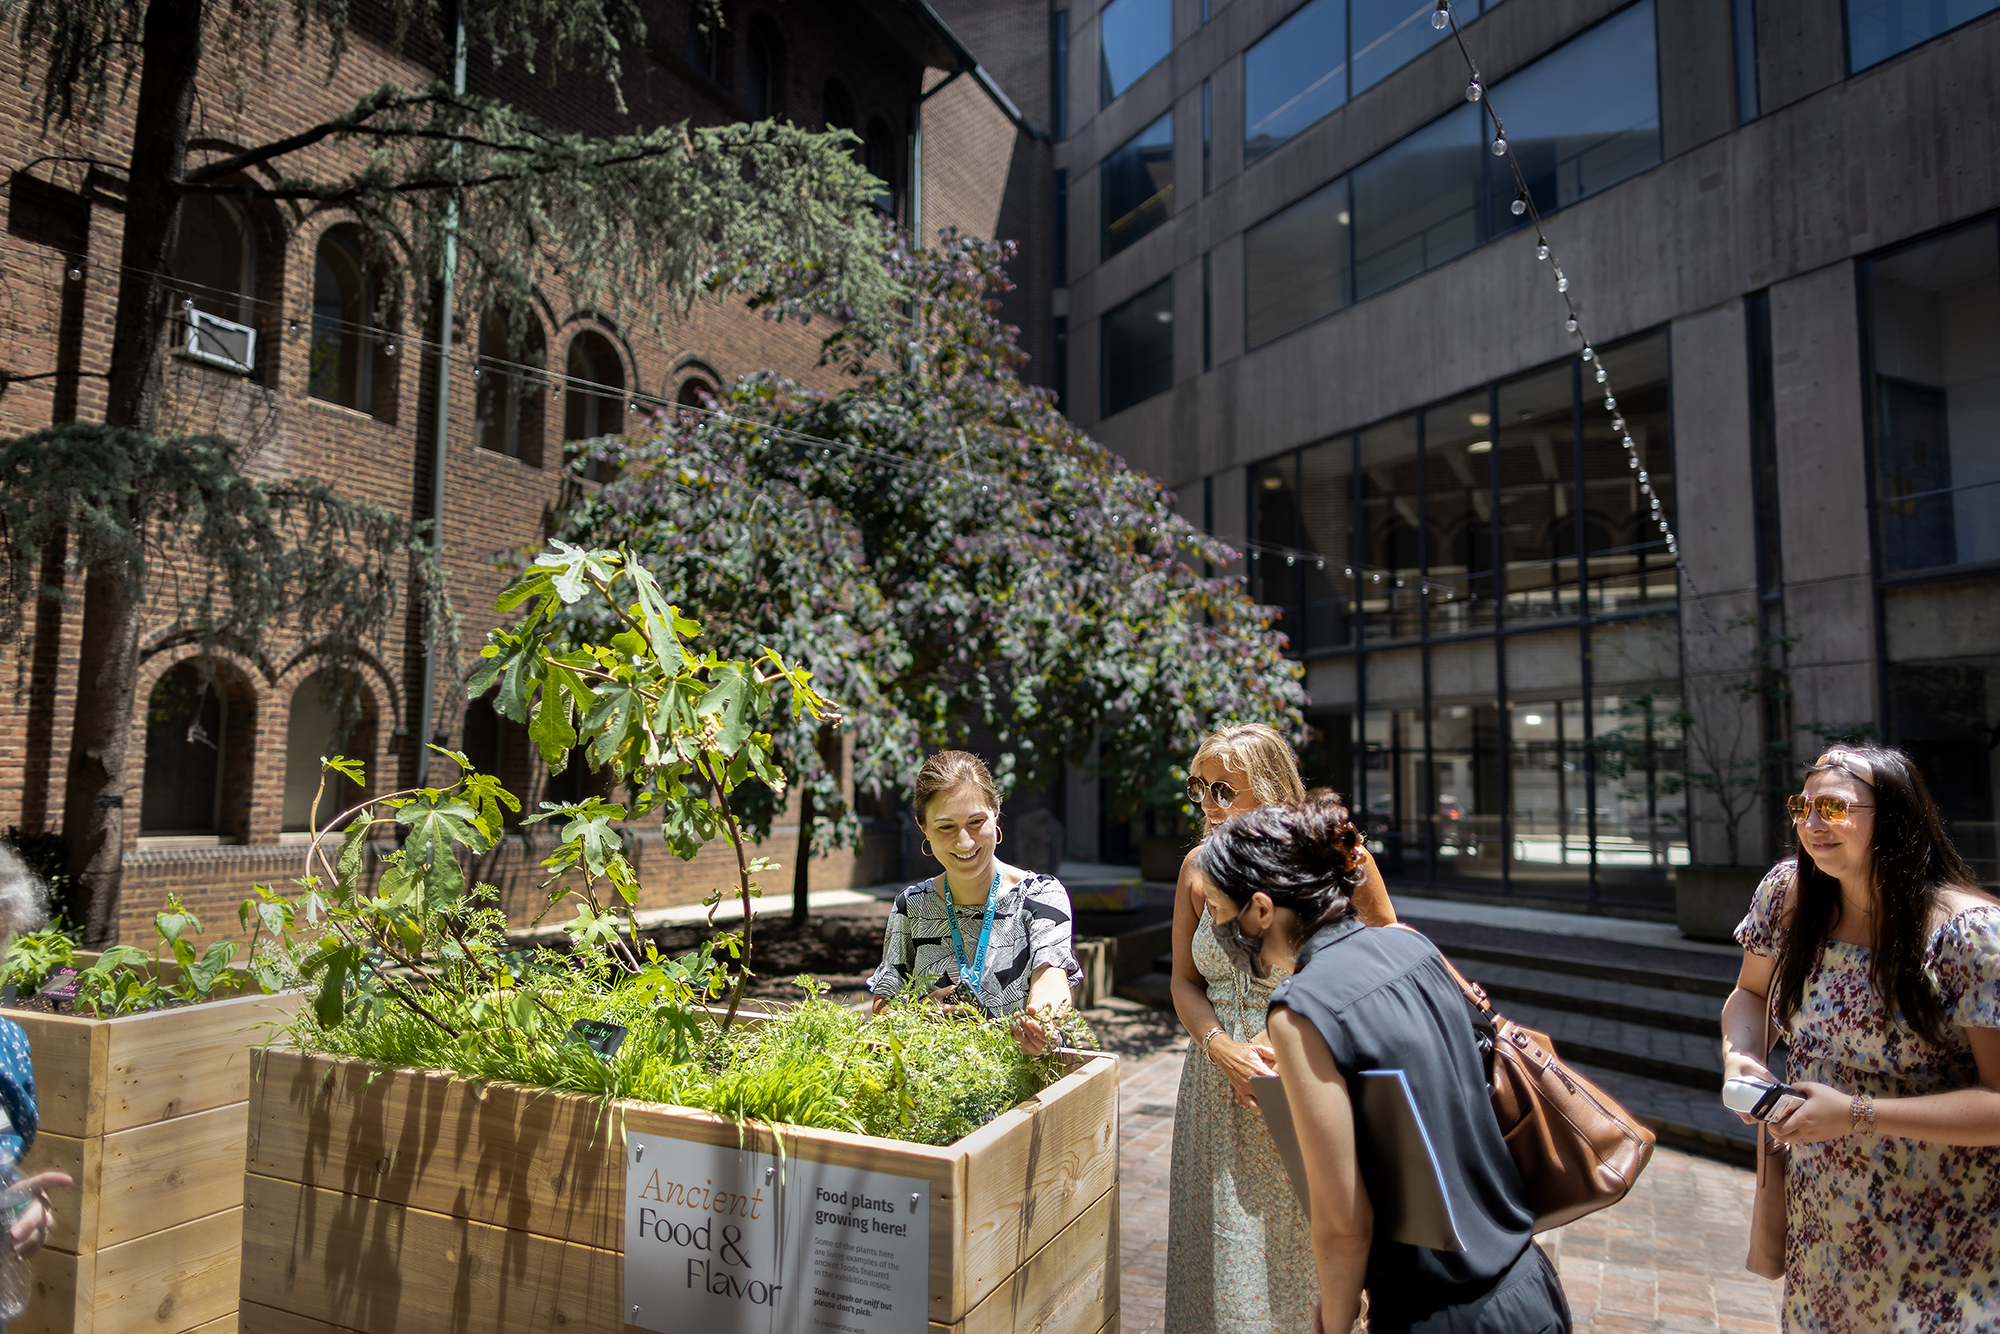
column 1881, row 963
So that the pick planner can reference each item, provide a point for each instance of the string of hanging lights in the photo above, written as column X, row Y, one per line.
column 1446, row 16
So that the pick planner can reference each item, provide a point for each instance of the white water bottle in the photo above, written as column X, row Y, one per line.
column 17, row 1281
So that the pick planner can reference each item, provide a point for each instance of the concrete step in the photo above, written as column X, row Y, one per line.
column 1656, row 1007
column 1701, row 973
column 1638, row 1049
column 1154, row 989
column 1655, row 978
column 1692, row 1120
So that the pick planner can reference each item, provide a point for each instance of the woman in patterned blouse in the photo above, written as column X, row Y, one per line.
column 984, row 931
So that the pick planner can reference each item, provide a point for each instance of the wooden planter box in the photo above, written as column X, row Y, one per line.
column 409, row 1201
column 149, row 1113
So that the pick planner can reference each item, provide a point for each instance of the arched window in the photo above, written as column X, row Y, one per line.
column 699, row 50
column 836, row 107
column 879, row 155
column 215, row 267
column 199, row 725
column 331, row 715
column 696, row 393
column 509, row 401
column 343, row 346
column 763, row 70
column 594, row 397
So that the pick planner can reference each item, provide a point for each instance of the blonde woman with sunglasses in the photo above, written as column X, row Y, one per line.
column 1879, row 961
column 1239, row 1247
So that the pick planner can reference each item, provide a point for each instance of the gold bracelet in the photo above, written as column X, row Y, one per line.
column 1861, row 1107
column 1206, row 1039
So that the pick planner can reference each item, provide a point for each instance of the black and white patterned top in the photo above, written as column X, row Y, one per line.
column 1031, row 927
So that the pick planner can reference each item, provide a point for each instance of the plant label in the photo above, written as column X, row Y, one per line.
column 600, row 1036
column 733, row 1242
column 62, row 986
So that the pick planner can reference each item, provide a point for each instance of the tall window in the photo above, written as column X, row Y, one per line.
column 1060, row 241
column 1934, row 335
column 1137, row 348
column 509, row 400
column 1296, row 74
column 594, row 396
column 343, row 345
column 1878, row 29
column 1743, row 32
column 215, row 267
column 1207, row 129
column 1582, row 118
column 879, row 155
column 1133, row 36
column 1137, row 184
column 1059, row 75
column 836, row 107
column 763, row 75
column 330, row 716
column 699, row 49
column 1295, row 265
column 200, row 728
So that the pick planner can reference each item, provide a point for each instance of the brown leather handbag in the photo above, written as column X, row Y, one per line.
column 1767, row 1213
column 1578, row 1151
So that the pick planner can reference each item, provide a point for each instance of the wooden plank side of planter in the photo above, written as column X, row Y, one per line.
column 170, row 1172
column 59, row 1276
column 69, row 1055
column 178, row 1278
column 1033, row 1171
column 375, row 1266
column 176, row 1062
column 75, row 1206
column 257, row 1318
column 1070, row 1286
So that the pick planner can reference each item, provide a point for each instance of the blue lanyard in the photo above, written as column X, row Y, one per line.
column 977, row 968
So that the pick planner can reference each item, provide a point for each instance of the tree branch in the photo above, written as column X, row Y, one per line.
column 351, row 122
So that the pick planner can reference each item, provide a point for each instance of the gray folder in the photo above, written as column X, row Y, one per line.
column 1412, row 1204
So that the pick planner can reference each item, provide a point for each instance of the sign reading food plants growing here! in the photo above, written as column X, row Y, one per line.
column 733, row 1242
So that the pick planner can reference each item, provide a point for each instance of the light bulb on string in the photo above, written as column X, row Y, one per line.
column 1618, row 424
column 1441, row 19
column 1631, row 462
column 76, row 275
column 1291, row 561
column 1562, row 283
column 1644, row 480
column 1610, row 403
column 1499, row 145
column 1570, row 324
column 1520, row 205
column 388, row 349
column 1320, row 564
column 1589, row 352
column 1473, row 92
column 1542, row 251
column 1601, row 376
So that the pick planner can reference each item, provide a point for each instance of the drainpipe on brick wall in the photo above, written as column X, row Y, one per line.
column 427, row 710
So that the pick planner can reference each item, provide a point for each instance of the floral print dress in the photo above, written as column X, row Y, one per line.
column 1884, row 1233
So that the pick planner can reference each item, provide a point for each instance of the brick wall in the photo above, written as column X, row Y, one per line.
column 61, row 244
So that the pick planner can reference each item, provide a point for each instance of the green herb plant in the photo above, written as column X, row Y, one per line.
column 411, row 966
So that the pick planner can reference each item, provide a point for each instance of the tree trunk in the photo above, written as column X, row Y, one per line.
column 802, row 868
column 107, row 665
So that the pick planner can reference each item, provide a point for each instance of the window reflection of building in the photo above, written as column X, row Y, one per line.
column 343, row 344
column 1879, row 29
column 508, row 402
column 1934, row 352
column 1133, row 36
column 1138, row 348
column 1137, row 185
column 593, row 395
column 1422, row 561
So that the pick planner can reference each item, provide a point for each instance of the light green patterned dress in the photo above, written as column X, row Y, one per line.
column 1239, row 1247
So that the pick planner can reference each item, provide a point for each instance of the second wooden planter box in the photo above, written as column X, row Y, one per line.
column 401, row 1201
column 148, row 1112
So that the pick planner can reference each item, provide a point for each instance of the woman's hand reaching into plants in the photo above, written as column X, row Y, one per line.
column 1240, row 1062
column 1037, row 1031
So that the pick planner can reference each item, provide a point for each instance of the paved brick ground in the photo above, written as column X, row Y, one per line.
column 1668, row 1260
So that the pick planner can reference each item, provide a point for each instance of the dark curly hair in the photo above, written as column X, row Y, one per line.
column 1914, row 862
column 1305, row 857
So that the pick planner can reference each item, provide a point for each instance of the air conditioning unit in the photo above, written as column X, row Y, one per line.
column 220, row 342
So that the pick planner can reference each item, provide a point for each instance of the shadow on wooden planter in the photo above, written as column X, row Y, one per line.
column 149, row 1113
column 406, row 1200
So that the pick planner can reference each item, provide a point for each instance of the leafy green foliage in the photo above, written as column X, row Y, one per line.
column 32, row 956
column 950, row 553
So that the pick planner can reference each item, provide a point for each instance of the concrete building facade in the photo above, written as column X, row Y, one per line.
column 1296, row 290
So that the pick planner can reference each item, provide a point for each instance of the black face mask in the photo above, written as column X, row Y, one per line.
column 1245, row 951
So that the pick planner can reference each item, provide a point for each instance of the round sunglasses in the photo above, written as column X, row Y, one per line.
column 1829, row 808
column 1222, row 793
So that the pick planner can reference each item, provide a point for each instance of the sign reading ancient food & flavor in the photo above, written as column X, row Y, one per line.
column 733, row 1242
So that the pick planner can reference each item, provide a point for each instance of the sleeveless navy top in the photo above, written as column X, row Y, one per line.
column 1382, row 1000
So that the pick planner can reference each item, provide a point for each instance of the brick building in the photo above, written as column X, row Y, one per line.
column 278, row 344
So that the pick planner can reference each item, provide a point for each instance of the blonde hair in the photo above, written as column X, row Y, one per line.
column 1263, row 756
column 947, row 771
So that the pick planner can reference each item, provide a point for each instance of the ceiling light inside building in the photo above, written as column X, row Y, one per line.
column 1165, row 317
column 1480, row 447
column 1481, row 419
column 1273, row 483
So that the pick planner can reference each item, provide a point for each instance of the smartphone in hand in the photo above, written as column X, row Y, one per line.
column 1760, row 1098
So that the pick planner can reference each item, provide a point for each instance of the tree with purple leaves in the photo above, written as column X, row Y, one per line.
column 955, row 561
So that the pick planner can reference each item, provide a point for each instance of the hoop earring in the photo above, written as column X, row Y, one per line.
column 999, row 837
column 927, row 850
